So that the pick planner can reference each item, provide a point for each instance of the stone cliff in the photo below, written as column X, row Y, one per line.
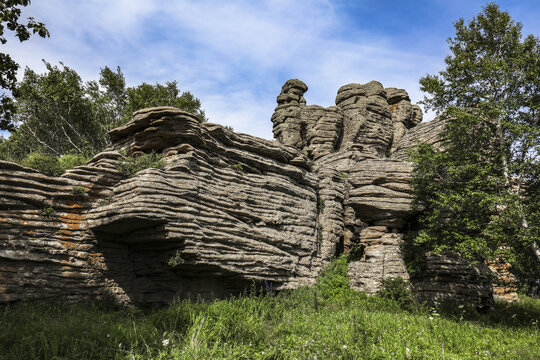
column 226, row 209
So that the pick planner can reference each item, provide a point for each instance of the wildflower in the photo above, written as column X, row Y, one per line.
column 165, row 342
column 108, row 335
column 344, row 346
column 431, row 318
column 268, row 286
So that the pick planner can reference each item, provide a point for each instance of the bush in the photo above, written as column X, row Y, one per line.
column 333, row 283
column 132, row 165
column 79, row 190
column 398, row 290
column 69, row 161
column 45, row 164
column 52, row 165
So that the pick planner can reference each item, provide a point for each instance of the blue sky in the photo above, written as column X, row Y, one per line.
column 235, row 55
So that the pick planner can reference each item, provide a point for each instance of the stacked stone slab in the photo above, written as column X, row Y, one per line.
column 226, row 210
column 447, row 277
column 365, row 138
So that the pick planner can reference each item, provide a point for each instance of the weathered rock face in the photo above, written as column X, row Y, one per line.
column 357, row 139
column 225, row 211
column 447, row 277
column 505, row 287
column 229, row 209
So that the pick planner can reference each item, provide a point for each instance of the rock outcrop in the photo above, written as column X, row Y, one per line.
column 225, row 210
column 447, row 277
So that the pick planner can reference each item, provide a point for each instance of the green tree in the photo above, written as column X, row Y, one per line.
column 147, row 95
column 478, row 189
column 54, row 115
column 117, row 103
column 58, row 114
column 10, row 11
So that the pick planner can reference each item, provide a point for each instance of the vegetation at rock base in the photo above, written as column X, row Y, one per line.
column 480, row 188
column 326, row 321
column 10, row 12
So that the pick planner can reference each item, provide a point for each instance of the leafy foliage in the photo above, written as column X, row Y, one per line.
column 398, row 290
column 54, row 114
column 57, row 113
column 334, row 281
column 473, row 188
column 52, row 165
column 79, row 190
column 147, row 95
column 132, row 165
column 10, row 11
column 47, row 212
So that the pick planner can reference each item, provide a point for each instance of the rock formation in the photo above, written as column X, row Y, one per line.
column 446, row 276
column 226, row 209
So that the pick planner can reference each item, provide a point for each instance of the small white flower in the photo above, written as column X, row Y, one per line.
column 108, row 335
column 431, row 318
column 344, row 346
column 165, row 342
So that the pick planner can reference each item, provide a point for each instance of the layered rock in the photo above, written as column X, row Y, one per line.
column 355, row 139
column 225, row 210
column 381, row 259
column 366, row 138
column 446, row 277
column 505, row 286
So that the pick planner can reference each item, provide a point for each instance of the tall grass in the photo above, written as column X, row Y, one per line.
column 327, row 321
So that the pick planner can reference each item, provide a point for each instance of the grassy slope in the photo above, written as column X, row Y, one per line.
column 328, row 321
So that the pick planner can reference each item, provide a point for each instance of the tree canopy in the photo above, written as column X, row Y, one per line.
column 10, row 11
column 58, row 114
column 479, row 191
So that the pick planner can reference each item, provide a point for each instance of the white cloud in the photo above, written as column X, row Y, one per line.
column 233, row 55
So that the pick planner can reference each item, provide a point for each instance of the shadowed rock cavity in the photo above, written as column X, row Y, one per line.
column 226, row 211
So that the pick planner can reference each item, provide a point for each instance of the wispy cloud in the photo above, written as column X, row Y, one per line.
column 235, row 55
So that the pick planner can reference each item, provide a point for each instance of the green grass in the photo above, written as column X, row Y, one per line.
column 327, row 321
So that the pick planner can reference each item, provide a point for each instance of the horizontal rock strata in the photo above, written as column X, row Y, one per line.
column 222, row 211
column 225, row 210
column 446, row 277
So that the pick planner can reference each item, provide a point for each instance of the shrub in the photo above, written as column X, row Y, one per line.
column 132, row 165
column 333, row 283
column 45, row 164
column 357, row 252
column 176, row 260
column 397, row 289
column 47, row 212
column 79, row 190
column 52, row 165
column 69, row 161
column 238, row 167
